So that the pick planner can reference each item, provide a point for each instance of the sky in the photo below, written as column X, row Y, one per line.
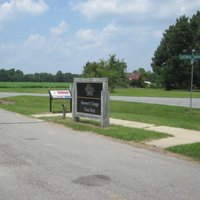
column 63, row 35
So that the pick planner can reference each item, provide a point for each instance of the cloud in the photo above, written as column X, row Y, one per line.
column 95, row 8
column 30, row 6
column 60, row 29
column 39, row 52
column 35, row 42
column 13, row 8
column 111, row 29
column 91, row 38
column 135, row 9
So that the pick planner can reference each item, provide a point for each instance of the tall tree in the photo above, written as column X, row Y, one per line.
column 195, row 26
column 183, row 36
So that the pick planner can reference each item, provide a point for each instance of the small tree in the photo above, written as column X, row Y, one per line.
column 113, row 68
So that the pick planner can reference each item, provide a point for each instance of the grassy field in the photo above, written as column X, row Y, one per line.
column 149, row 113
column 149, row 92
column 117, row 132
column 32, row 87
column 29, row 105
column 156, row 114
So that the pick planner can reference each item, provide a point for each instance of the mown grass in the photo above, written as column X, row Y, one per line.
column 43, row 87
column 32, row 87
column 149, row 92
column 117, row 132
column 148, row 113
column 29, row 105
column 190, row 150
column 156, row 114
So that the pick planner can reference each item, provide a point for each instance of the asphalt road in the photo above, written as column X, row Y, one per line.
column 40, row 160
column 184, row 102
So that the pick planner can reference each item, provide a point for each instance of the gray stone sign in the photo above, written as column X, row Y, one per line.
column 90, row 99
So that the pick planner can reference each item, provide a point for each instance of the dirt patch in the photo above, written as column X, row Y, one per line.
column 7, row 102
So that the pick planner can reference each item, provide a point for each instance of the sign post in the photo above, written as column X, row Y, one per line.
column 189, row 57
column 59, row 94
column 90, row 99
column 192, row 57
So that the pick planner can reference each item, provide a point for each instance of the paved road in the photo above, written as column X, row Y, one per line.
column 185, row 102
column 39, row 160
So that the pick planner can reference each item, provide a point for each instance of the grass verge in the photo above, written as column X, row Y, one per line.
column 189, row 150
column 156, row 114
column 148, row 113
column 149, row 92
column 29, row 105
column 43, row 87
column 117, row 132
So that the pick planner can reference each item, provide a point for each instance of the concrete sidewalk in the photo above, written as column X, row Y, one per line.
column 180, row 135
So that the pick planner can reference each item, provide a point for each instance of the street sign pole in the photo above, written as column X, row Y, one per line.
column 191, row 86
column 192, row 57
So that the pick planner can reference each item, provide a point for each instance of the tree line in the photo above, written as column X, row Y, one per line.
column 13, row 75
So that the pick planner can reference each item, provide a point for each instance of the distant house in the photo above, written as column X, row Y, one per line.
column 134, row 78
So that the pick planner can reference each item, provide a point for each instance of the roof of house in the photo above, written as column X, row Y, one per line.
column 134, row 76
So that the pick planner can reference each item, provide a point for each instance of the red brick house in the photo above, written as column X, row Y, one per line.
column 134, row 79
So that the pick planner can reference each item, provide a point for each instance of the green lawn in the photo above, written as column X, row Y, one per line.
column 29, row 105
column 149, row 113
column 190, row 150
column 40, row 87
column 156, row 114
column 149, row 92
column 118, row 132
column 32, row 87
